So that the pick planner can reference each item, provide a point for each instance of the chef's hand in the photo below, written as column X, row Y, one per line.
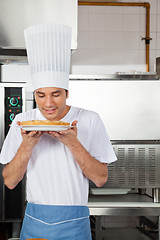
column 67, row 137
column 31, row 138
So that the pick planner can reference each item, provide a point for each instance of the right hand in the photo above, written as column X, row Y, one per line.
column 30, row 138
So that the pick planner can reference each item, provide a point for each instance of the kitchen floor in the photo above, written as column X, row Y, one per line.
column 112, row 234
column 124, row 234
column 118, row 234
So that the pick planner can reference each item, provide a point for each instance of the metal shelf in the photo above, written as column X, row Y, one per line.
column 117, row 76
column 123, row 205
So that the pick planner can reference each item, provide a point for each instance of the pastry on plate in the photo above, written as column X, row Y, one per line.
column 43, row 122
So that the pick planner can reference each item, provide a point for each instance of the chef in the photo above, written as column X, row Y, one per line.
column 58, row 165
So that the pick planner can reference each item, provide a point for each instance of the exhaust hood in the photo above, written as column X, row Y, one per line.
column 22, row 14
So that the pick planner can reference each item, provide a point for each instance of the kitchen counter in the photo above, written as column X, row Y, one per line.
column 126, row 204
column 130, row 204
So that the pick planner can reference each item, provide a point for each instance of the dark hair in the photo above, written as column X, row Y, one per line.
column 66, row 92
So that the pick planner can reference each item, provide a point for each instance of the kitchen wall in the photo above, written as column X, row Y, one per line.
column 109, row 39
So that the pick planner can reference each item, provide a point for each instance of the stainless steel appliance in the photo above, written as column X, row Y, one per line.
column 130, row 110
column 138, row 167
column 12, row 45
column 12, row 99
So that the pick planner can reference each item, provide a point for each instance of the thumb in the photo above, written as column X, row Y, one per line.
column 74, row 123
column 18, row 123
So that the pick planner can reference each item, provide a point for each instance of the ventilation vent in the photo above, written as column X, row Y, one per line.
column 138, row 166
column 152, row 164
column 141, row 167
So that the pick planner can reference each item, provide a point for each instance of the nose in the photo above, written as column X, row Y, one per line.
column 49, row 101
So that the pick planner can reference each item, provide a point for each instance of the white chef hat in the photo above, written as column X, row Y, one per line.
column 49, row 49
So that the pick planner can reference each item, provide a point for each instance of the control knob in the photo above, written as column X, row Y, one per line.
column 12, row 116
column 13, row 101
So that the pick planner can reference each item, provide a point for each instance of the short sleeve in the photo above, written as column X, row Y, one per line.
column 11, row 143
column 99, row 145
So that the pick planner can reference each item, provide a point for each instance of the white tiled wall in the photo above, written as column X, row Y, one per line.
column 109, row 39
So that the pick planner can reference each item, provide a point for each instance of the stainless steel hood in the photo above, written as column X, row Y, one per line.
column 9, row 55
column 16, row 15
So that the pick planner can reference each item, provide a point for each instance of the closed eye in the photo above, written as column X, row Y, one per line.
column 40, row 96
column 56, row 95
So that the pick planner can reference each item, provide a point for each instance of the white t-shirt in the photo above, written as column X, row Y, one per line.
column 53, row 176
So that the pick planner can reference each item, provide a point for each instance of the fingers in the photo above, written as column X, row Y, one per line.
column 35, row 134
column 65, row 132
column 18, row 123
column 53, row 133
column 32, row 133
column 23, row 131
column 74, row 123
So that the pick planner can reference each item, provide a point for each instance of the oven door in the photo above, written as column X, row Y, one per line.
column 12, row 98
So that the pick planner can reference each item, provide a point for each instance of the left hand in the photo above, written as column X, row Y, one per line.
column 67, row 137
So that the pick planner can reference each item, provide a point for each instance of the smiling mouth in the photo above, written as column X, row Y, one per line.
column 49, row 111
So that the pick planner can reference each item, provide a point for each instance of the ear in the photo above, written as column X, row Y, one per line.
column 67, row 95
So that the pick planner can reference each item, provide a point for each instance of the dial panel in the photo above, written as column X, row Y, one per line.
column 13, row 105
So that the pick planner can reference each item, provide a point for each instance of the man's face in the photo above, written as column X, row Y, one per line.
column 52, row 102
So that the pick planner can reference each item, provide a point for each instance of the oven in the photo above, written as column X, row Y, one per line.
column 12, row 99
